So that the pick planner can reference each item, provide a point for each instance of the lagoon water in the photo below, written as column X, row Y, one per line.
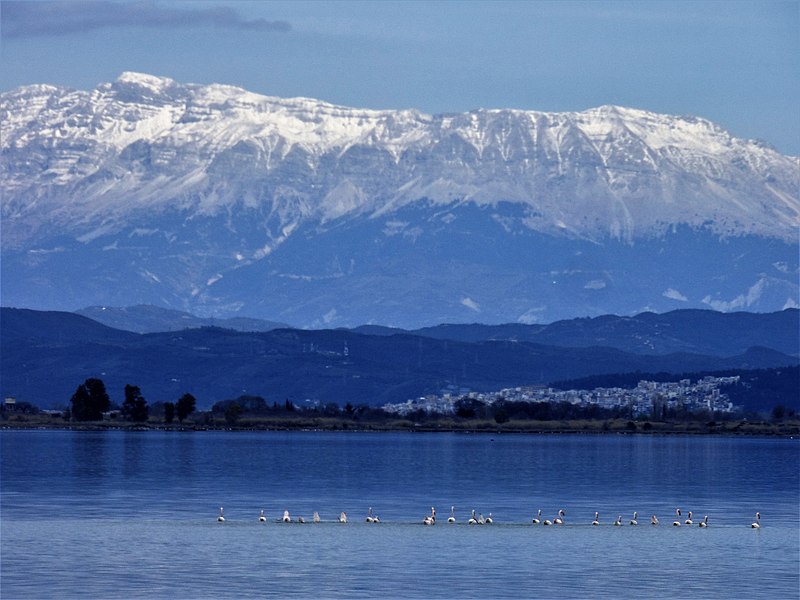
column 116, row 514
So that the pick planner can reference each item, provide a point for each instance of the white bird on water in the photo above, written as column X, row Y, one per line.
column 452, row 517
column 472, row 519
column 654, row 520
column 559, row 520
column 431, row 518
column 343, row 517
column 689, row 519
column 537, row 518
column 596, row 519
column 704, row 522
column 677, row 521
column 633, row 521
column 618, row 522
column 261, row 517
column 489, row 519
column 316, row 517
column 221, row 517
column 286, row 517
column 757, row 524
column 370, row 518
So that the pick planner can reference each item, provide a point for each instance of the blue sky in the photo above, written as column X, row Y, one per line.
column 735, row 63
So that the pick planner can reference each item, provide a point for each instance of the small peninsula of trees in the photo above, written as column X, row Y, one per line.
column 91, row 402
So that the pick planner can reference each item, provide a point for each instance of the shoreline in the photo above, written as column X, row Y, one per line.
column 599, row 427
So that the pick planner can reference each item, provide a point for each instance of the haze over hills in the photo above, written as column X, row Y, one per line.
column 45, row 355
column 698, row 331
column 217, row 201
column 153, row 319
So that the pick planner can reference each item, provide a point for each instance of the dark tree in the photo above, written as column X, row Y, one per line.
column 252, row 404
column 232, row 413
column 331, row 409
column 169, row 412
column 135, row 406
column 90, row 401
column 185, row 406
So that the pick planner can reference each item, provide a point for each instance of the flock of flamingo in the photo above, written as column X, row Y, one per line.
column 430, row 519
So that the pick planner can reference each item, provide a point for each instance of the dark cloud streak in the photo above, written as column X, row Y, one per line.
column 31, row 19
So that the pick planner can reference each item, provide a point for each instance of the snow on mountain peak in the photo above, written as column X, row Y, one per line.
column 215, row 198
column 146, row 142
column 143, row 80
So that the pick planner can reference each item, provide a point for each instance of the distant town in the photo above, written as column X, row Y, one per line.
column 647, row 398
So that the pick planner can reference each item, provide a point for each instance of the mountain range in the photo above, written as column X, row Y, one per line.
column 221, row 202
column 44, row 355
column 153, row 319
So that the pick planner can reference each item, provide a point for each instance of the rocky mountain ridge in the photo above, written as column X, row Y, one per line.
column 216, row 200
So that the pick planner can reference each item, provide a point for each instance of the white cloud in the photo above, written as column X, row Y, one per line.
column 532, row 315
column 595, row 284
column 29, row 19
column 752, row 296
column 674, row 294
column 471, row 304
column 329, row 316
column 791, row 303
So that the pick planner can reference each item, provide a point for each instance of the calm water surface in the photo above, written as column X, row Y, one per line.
column 133, row 514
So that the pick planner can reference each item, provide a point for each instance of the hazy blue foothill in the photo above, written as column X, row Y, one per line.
column 46, row 354
column 144, row 318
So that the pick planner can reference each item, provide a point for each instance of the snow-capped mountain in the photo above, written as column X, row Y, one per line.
column 218, row 200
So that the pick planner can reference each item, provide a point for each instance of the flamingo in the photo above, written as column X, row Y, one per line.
column 704, row 522
column 537, row 518
column 559, row 520
column 653, row 520
column 757, row 524
column 301, row 519
column 221, row 517
column 261, row 517
column 633, row 521
column 618, row 522
column 370, row 518
column 689, row 520
column 316, row 517
column 472, row 519
column 431, row 518
column 452, row 517
column 596, row 519
column 343, row 517
column 489, row 519
column 286, row 517
column 677, row 521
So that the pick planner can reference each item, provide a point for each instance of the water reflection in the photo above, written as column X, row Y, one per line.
column 89, row 460
column 145, row 498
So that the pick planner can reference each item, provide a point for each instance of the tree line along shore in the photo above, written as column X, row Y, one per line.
column 91, row 408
